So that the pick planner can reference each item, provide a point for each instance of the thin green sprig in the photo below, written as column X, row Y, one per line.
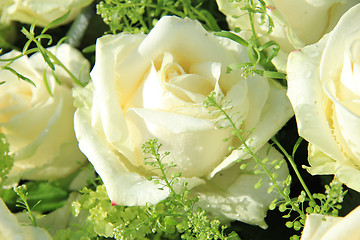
column 195, row 224
column 141, row 15
column 212, row 101
column 293, row 165
column 176, row 217
column 21, row 191
column 319, row 203
column 260, row 55
column 306, row 203
column 155, row 159
column 48, row 56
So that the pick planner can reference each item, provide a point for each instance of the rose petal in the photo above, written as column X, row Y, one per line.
column 108, row 95
column 349, row 86
column 346, row 124
column 124, row 186
column 41, row 136
column 190, row 140
column 210, row 70
column 172, row 32
column 310, row 103
column 346, row 32
column 44, row 12
column 348, row 174
column 231, row 193
column 71, row 58
column 344, row 170
column 10, row 229
column 190, row 87
column 257, row 94
column 319, row 227
column 320, row 162
column 278, row 111
column 316, row 225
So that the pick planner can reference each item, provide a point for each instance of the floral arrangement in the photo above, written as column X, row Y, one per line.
column 216, row 119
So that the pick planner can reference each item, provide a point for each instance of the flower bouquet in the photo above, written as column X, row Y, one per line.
column 226, row 119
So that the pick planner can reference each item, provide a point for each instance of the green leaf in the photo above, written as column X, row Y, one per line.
column 89, row 49
column 56, row 22
column 44, row 53
column 272, row 52
column 47, row 83
column 20, row 76
column 209, row 19
column 61, row 41
column 27, row 34
column 56, row 77
column 274, row 74
column 233, row 37
column 296, row 146
column 44, row 36
column 52, row 197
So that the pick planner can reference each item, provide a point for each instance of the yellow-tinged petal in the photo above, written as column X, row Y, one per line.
column 342, row 39
column 190, row 140
column 26, row 11
column 124, row 187
column 309, row 101
column 319, row 227
column 316, row 225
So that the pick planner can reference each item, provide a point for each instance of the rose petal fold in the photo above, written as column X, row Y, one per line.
column 311, row 103
column 231, row 194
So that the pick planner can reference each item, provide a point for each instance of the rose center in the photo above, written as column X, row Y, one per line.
column 172, row 70
column 16, row 97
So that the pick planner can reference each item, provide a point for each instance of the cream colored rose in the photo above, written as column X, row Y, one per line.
column 39, row 127
column 44, row 11
column 154, row 86
column 296, row 23
column 320, row 227
column 11, row 229
column 324, row 89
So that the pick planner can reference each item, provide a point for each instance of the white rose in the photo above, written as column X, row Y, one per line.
column 324, row 89
column 39, row 127
column 320, row 227
column 153, row 86
column 296, row 23
column 44, row 11
column 11, row 229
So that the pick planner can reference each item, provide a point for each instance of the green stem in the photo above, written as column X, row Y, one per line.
column 30, row 214
column 58, row 62
column 154, row 6
column 293, row 165
column 258, row 161
column 263, row 55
